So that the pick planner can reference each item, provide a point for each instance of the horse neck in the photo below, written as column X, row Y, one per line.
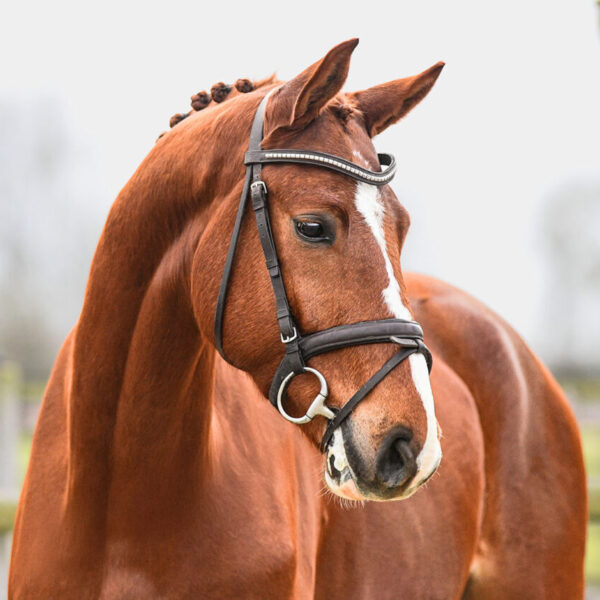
column 142, row 375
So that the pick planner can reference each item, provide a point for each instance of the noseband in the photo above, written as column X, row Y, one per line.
column 299, row 348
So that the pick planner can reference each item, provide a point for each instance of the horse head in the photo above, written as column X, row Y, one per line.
column 339, row 243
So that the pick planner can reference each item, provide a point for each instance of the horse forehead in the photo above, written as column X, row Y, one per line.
column 334, row 135
column 327, row 134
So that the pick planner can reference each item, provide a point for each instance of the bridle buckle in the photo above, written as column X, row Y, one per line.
column 257, row 184
column 288, row 339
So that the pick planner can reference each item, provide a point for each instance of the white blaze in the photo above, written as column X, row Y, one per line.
column 368, row 203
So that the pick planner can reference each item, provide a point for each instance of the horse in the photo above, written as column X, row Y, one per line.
column 159, row 469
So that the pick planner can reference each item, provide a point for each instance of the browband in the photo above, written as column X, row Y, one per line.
column 408, row 335
column 329, row 161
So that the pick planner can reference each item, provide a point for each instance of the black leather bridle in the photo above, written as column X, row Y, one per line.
column 299, row 348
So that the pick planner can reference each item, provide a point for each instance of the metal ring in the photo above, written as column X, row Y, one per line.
column 317, row 406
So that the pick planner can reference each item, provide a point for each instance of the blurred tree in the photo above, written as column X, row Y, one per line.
column 570, row 326
column 51, row 217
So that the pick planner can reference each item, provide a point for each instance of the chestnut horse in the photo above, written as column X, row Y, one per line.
column 159, row 470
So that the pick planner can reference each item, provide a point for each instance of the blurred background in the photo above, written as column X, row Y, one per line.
column 499, row 166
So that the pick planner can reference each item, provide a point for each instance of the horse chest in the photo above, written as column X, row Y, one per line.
column 255, row 528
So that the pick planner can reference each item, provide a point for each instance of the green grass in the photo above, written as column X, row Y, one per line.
column 592, row 555
column 23, row 452
column 9, row 507
column 591, row 449
column 594, row 498
column 7, row 515
column 587, row 389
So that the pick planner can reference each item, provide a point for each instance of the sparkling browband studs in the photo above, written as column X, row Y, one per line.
column 385, row 176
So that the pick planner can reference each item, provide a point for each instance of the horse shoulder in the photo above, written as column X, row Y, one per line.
column 489, row 355
column 263, row 470
column 535, row 477
column 38, row 533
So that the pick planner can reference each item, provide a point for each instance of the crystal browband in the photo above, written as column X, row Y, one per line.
column 320, row 159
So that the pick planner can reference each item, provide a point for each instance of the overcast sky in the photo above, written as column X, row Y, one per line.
column 514, row 116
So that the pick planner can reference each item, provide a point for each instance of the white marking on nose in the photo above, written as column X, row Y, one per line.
column 368, row 203
column 338, row 451
column 431, row 453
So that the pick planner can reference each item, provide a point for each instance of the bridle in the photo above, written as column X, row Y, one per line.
column 299, row 348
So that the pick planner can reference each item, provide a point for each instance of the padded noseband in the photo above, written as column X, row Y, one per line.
column 299, row 348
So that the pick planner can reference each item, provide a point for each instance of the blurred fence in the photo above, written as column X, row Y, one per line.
column 10, row 429
column 10, row 394
column 19, row 405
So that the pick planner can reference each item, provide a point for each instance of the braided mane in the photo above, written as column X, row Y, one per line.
column 219, row 92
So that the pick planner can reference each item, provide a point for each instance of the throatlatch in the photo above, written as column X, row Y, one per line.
column 299, row 348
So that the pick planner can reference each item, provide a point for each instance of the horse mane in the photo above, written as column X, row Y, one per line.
column 220, row 92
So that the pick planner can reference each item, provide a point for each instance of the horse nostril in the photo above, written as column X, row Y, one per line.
column 396, row 461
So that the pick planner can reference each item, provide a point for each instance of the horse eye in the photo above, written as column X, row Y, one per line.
column 310, row 230
column 316, row 229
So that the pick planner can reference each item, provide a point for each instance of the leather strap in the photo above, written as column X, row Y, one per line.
column 265, row 233
column 328, row 161
column 407, row 334
column 256, row 133
column 222, row 297
column 366, row 389
column 365, row 332
column 287, row 327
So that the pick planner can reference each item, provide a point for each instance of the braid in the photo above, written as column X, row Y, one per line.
column 177, row 118
column 219, row 93
column 244, row 86
column 200, row 100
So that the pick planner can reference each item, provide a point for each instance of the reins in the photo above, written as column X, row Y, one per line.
column 299, row 348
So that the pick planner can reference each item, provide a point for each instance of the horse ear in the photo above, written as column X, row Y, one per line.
column 387, row 103
column 299, row 101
